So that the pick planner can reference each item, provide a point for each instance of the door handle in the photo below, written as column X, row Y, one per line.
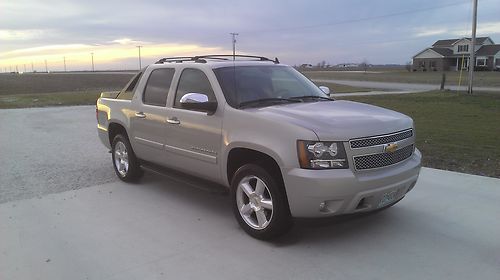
column 173, row 120
column 140, row 115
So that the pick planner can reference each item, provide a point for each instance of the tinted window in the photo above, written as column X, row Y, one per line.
column 128, row 91
column 157, row 87
column 248, row 83
column 193, row 81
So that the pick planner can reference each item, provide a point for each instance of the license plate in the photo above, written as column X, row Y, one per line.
column 388, row 198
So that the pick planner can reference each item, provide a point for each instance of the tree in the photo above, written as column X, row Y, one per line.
column 364, row 65
column 408, row 66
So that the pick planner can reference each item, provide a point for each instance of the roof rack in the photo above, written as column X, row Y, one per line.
column 203, row 58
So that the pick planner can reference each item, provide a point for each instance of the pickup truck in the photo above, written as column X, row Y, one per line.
column 280, row 145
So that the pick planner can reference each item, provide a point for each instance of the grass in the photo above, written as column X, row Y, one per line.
column 338, row 88
column 48, row 99
column 455, row 132
column 486, row 79
column 11, row 84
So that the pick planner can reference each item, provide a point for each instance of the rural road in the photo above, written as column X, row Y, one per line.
column 401, row 86
column 447, row 227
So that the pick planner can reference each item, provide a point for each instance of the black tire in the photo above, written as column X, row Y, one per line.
column 280, row 220
column 134, row 171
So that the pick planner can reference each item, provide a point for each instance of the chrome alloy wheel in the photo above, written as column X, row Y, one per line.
column 254, row 202
column 121, row 158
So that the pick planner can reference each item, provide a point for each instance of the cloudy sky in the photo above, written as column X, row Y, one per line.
column 337, row 31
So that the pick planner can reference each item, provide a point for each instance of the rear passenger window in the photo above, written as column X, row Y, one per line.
column 128, row 92
column 156, row 90
column 193, row 81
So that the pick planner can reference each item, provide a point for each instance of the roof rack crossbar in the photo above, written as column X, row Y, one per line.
column 202, row 58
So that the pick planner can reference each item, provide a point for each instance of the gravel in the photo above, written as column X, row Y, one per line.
column 50, row 150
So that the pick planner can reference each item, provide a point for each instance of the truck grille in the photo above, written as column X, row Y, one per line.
column 382, row 139
column 384, row 159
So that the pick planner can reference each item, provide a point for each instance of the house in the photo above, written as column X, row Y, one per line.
column 453, row 55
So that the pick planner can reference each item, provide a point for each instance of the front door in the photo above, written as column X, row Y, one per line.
column 193, row 139
column 148, row 119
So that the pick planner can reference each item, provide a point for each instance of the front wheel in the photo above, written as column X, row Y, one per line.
column 125, row 163
column 259, row 203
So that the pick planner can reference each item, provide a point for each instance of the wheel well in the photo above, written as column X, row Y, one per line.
column 240, row 156
column 115, row 129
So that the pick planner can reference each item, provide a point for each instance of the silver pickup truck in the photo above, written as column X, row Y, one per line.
column 278, row 142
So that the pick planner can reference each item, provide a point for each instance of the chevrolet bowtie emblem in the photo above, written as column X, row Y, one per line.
column 390, row 148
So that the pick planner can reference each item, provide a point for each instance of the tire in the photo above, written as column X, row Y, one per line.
column 259, row 203
column 125, row 162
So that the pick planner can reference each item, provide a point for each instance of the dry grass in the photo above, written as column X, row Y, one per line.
column 486, row 79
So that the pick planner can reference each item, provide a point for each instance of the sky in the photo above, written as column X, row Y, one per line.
column 376, row 31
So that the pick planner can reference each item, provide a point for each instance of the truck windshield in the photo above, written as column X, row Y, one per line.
column 249, row 84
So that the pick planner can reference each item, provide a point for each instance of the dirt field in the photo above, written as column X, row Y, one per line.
column 12, row 84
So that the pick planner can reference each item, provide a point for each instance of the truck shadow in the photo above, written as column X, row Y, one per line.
column 214, row 201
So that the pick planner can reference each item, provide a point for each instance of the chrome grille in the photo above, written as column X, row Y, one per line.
column 382, row 139
column 384, row 159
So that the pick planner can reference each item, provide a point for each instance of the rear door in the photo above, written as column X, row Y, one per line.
column 193, row 139
column 148, row 119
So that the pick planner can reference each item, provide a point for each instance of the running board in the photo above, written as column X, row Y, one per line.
column 184, row 178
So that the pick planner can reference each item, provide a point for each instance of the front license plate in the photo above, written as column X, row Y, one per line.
column 388, row 198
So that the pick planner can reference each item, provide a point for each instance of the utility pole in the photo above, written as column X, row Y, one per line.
column 472, row 61
column 234, row 43
column 17, row 70
column 92, row 57
column 32, row 68
column 64, row 59
column 25, row 68
column 46, row 68
column 140, row 62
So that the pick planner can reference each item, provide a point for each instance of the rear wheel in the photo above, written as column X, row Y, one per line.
column 125, row 163
column 259, row 203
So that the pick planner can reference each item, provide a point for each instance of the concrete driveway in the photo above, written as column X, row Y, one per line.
column 448, row 227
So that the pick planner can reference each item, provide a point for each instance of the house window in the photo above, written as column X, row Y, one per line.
column 433, row 64
column 422, row 64
column 481, row 62
column 463, row 48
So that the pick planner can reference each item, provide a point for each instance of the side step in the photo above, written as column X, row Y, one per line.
column 184, row 178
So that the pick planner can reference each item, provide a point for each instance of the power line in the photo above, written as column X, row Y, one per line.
column 413, row 11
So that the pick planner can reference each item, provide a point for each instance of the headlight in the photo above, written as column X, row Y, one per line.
column 322, row 155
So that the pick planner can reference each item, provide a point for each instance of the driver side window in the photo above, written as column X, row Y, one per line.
column 193, row 81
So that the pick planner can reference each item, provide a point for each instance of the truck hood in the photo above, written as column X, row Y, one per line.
column 338, row 120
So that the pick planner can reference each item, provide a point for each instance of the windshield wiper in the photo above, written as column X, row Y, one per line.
column 311, row 97
column 267, row 101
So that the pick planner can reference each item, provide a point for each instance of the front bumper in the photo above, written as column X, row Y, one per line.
column 321, row 193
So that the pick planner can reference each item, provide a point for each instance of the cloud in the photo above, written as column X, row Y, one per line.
column 430, row 32
column 483, row 29
column 127, row 41
column 20, row 35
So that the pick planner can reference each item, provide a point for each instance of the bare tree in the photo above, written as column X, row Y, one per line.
column 364, row 65
column 408, row 66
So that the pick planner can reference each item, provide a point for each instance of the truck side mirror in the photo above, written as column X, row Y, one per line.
column 198, row 102
column 325, row 89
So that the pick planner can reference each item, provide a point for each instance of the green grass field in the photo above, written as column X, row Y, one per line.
column 487, row 79
column 455, row 132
